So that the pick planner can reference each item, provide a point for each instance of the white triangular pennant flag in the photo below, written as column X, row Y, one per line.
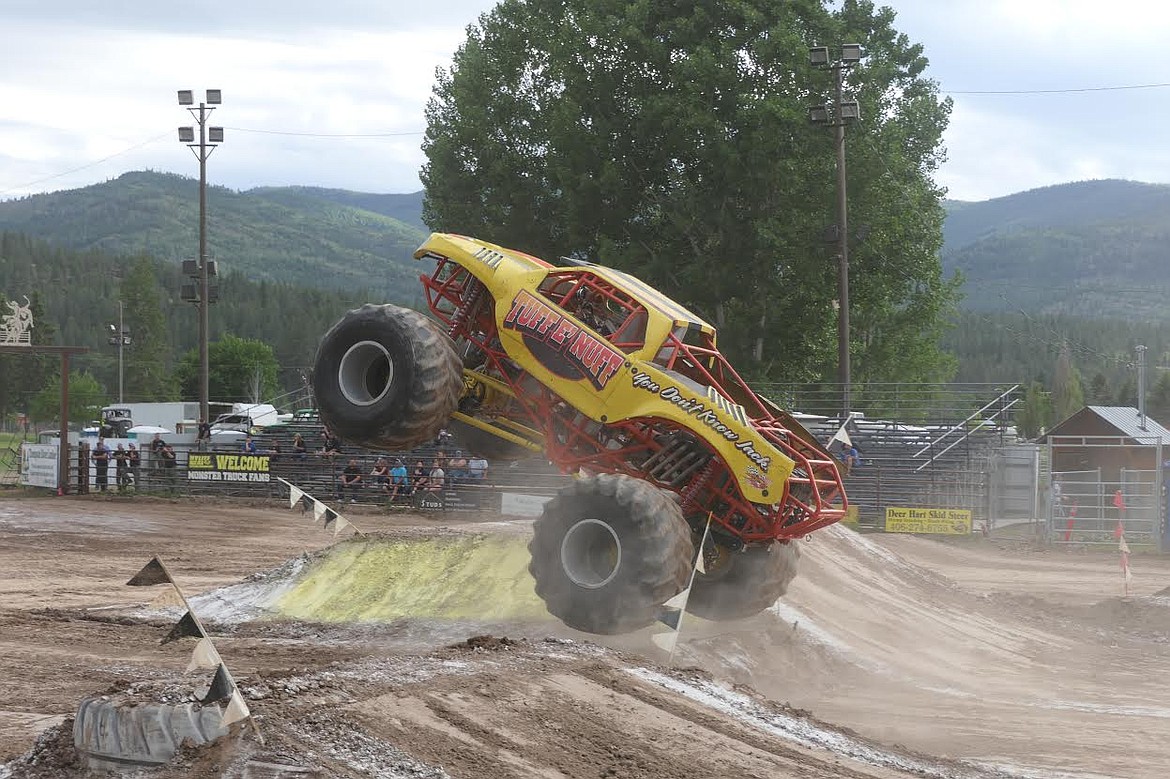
column 294, row 496
column 700, row 565
column 236, row 709
column 204, row 656
column 679, row 601
column 841, row 435
column 319, row 510
column 341, row 524
column 665, row 641
column 1123, row 546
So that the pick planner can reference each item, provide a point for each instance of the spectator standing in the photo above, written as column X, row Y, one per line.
column 122, row 467
column 351, row 477
column 134, row 460
column 381, row 474
column 399, row 480
column 477, row 468
column 167, row 453
column 101, row 460
column 203, row 436
column 156, row 448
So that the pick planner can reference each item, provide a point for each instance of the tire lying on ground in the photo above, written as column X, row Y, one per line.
column 114, row 735
column 607, row 552
column 386, row 378
column 740, row 584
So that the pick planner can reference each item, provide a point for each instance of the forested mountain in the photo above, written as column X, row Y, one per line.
column 295, row 235
column 79, row 292
column 1084, row 264
column 1089, row 249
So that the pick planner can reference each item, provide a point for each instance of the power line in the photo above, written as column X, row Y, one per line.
column 1069, row 90
column 87, row 165
column 326, row 135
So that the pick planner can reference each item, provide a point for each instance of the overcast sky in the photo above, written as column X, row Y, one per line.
column 87, row 89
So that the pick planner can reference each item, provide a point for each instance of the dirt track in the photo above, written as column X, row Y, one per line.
column 1015, row 661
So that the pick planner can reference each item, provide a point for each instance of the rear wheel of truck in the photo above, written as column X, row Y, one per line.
column 738, row 584
column 386, row 378
column 607, row 552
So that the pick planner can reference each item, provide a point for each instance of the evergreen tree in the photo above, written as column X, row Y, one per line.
column 1036, row 414
column 146, row 376
column 1067, row 396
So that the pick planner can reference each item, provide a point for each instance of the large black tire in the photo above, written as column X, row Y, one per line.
column 483, row 443
column 740, row 584
column 386, row 378
column 607, row 552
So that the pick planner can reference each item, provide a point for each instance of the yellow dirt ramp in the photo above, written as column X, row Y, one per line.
column 469, row 577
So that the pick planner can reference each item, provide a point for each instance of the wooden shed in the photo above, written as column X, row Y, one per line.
column 1107, row 439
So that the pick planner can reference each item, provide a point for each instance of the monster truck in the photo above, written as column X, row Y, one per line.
column 616, row 384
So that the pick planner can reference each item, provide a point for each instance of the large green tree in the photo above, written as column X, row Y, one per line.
column 238, row 369
column 86, row 398
column 671, row 139
column 1067, row 396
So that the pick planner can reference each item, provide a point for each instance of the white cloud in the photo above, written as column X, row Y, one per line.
column 80, row 82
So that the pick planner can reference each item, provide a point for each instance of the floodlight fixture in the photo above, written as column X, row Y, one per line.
column 215, row 96
column 850, row 53
column 818, row 114
column 818, row 56
column 186, row 97
column 190, row 267
column 850, row 111
column 215, row 134
column 186, row 135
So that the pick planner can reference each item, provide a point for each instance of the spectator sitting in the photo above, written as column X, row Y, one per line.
column 331, row 444
column 351, row 477
column 381, row 474
column 477, row 468
column 418, row 476
column 457, row 467
column 852, row 457
column 399, row 480
column 249, row 445
column 299, row 448
column 437, row 478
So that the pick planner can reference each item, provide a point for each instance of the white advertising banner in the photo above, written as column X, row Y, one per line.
column 519, row 505
column 38, row 465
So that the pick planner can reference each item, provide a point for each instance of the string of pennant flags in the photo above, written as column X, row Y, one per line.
column 333, row 519
column 671, row 612
column 205, row 656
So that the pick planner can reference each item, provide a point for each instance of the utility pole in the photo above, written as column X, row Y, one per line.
column 209, row 138
column 119, row 337
column 837, row 115
column 1141, row 385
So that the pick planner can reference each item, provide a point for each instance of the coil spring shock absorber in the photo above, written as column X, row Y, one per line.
column 687, row 497
column 470, row 302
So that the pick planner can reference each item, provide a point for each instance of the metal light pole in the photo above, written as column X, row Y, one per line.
column 209, row 138
column 119, row 337
column 837, row 115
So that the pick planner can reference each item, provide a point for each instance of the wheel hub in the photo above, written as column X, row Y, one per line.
column 365, row 373
column 591, row 554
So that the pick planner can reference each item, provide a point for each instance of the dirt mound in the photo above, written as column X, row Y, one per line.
column 487, row 643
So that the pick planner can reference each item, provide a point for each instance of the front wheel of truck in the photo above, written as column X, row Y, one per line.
column 607, row 552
